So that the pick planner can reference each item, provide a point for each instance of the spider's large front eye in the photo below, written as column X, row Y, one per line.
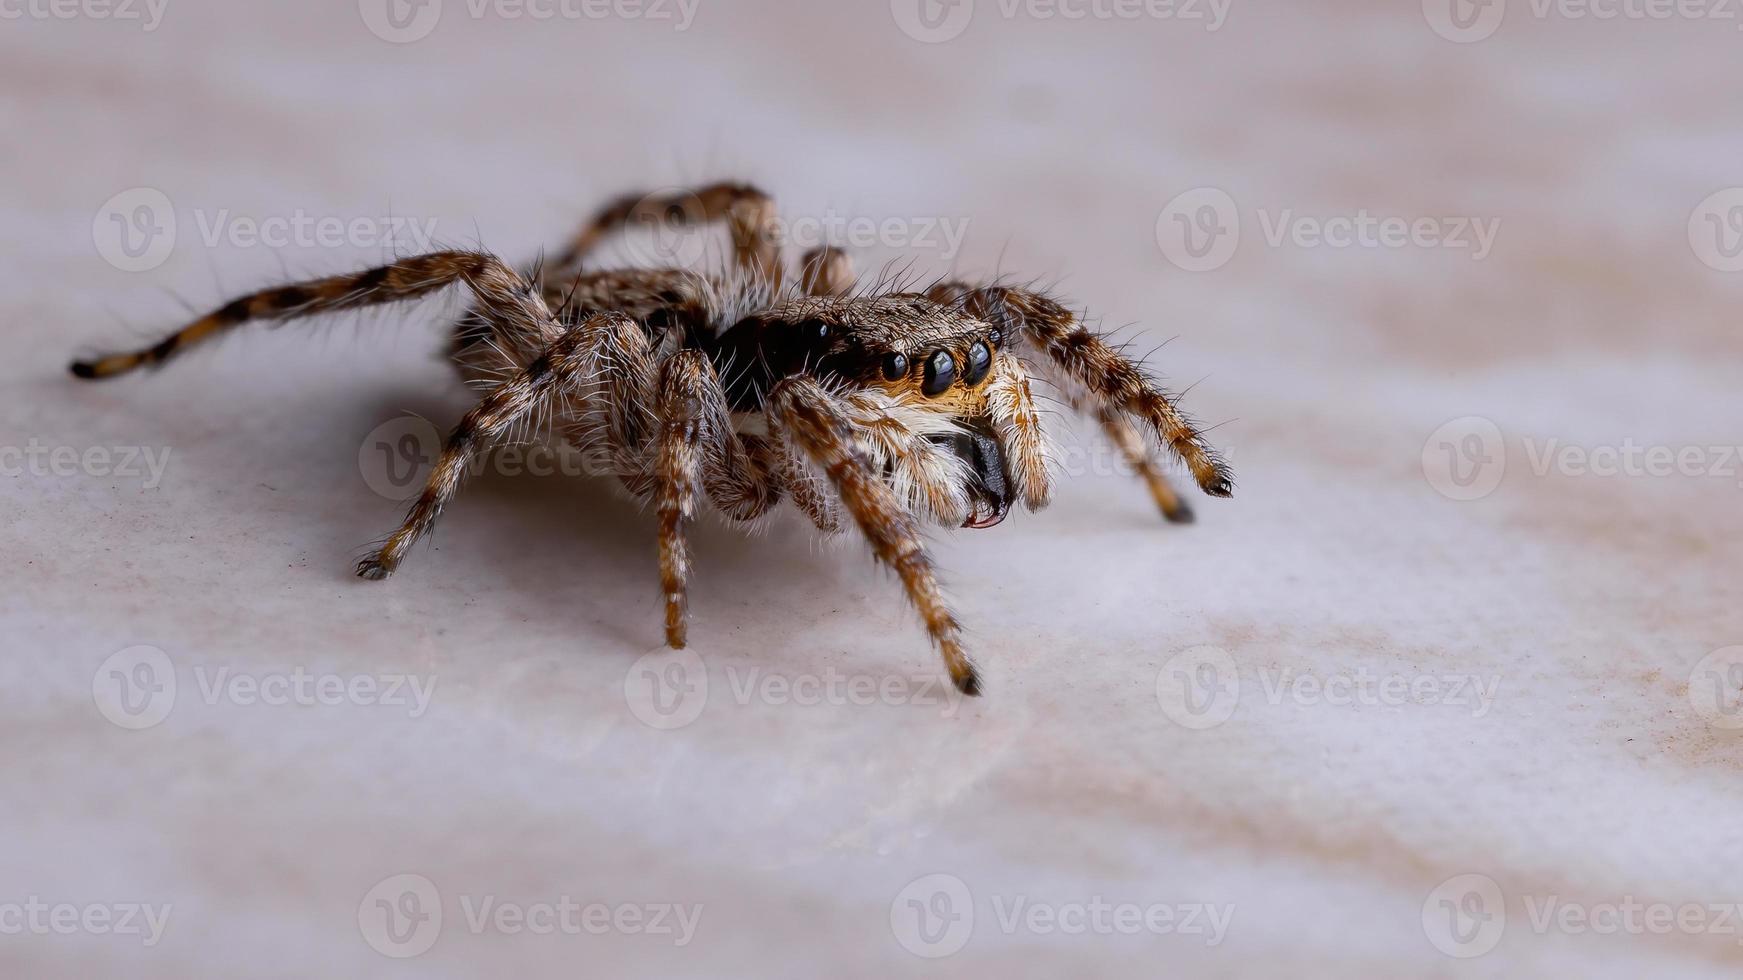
column 980, row 361
column 940, row 374
column 896, row 366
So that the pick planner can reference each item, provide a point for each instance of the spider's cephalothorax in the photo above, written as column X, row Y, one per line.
column 887, row 408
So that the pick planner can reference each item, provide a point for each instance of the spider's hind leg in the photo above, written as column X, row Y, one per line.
column 558, row 369
column 748, row 212
column 507, row 302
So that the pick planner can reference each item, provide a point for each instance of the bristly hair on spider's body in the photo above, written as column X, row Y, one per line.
column 878, row 403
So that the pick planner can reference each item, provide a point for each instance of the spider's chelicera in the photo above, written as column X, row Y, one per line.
column 879, row 409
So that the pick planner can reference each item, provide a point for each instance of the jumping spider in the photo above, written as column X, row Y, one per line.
column 893, row 408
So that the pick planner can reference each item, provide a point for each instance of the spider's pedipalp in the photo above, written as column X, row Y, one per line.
column 1018, row 425
column 802, row 412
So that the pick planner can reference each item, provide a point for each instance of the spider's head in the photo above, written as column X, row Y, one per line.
column 927, row 358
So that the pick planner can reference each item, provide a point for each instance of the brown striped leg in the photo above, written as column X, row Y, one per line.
column 504, row 299
column 826, row 271
column 556, row 370
column 698, row 451
column 1131, row 445
column 809, row 418
column 749, row 214
column 1108, row 378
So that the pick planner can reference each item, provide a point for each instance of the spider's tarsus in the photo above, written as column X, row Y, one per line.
column 968, row 682
column 1220, row 482
column 84, row 369
column 373, row 569
column 1181, row 514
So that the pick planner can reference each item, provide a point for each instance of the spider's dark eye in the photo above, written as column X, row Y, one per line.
column 940, row 374
column 995, row 336
column 896, row 366
column 814, row 331
column 980, row 360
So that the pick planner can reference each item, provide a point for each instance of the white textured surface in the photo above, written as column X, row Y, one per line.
column 1591, row 778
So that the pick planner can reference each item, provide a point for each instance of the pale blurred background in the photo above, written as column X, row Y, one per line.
column 1449, row 688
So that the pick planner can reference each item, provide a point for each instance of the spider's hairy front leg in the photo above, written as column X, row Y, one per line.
column 696, row 451
column 826, row 271
column 508, row 302
column 808, row 417
column 749, row 213
column 1109, row 379
column 556, row 370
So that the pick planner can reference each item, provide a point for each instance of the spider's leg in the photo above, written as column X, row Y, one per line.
column 808, row 417
column 749, row 213
column 1109, row 379
column 557, row 370
column 504, row 300
column 698, row 451
column 826, row 271
column 1131, row 445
